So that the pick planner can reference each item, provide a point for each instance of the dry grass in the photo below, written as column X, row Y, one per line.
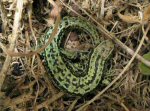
column 24, row 83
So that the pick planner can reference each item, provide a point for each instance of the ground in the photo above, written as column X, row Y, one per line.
column 24, row 82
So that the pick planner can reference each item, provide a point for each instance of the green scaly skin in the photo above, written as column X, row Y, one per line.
column 80, row 77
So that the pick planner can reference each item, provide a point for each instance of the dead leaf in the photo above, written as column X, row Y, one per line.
column 55, row 12
column 129, row 18
column 50, row 21
column 117, row 3
column 109, row 15
column 86, row 4
column 146, row 14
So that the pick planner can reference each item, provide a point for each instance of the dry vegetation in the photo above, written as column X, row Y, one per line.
column 23, row 82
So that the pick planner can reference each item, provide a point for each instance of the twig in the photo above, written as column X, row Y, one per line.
column 49, row 101
column 3, row 16
column 73, row 104
column 30, row 23
column 70, row 8
column 102, row 8
column 33, row 58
